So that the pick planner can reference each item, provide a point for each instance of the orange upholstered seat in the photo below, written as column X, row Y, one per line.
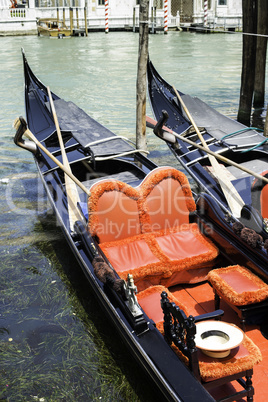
column 169, row 200
column 259, row 195
column 149, row 299
column 242, row 358
column 145, row 231
column 238, row 286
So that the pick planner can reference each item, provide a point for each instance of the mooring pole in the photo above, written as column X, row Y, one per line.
column 77, row 18
column 261, row 51
column 106, row 16
column 166, row 17
column 265, row 131
column 249, row 8
column 85, row 14
column 205, row 12
column 71, row 20
column 141, row 75
column 134, row 19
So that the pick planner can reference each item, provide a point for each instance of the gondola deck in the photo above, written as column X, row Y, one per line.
column 114, row 168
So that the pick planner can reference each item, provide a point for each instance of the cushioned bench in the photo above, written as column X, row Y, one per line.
column 242, row 290
column 146, row 231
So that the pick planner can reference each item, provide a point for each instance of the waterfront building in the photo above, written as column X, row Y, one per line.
column 121, row 14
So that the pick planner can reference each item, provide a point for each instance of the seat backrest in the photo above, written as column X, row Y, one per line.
column 180, row 330
column 168, row 198
column 113, row 211
column 259, row 195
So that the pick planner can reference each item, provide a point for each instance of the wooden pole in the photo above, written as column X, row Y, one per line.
column 141, row 76
column 265, row 131
column 134, row 19
column 152, row 20
column 261, row 51
column 70, row 186
column 77, row 18
column 71, row 20
column 63, row 15
column 249, row 8
column 85, row 15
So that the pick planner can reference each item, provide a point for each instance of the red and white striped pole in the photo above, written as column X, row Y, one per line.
column 106, row 16
column 166, row 17
column 205, row 12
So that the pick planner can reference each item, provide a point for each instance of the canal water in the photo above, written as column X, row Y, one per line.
column 55, row 343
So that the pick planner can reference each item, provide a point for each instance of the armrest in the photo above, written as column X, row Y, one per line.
column 209, row 316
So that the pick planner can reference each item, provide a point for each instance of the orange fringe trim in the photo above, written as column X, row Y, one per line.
column 163, row 173
column 138, row 194
column 213, row 369
column 227, row 292
column 222, row 368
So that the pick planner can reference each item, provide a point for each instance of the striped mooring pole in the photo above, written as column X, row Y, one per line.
column 106, row 16
column 166, row 17
column 205, row 12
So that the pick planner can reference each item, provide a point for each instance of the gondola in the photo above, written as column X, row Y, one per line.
column 120, row 219
column 245, row 146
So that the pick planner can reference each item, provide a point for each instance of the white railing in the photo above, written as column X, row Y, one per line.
column 17, row 13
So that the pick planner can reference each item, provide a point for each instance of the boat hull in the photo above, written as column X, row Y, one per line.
column 93, row 158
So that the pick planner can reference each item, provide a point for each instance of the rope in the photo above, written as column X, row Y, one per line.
column 228, row 32
column 241, row 131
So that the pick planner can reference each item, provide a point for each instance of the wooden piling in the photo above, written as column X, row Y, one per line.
column 261, row 51
column 77, row 18
column 265, row 131
column 249, row 8
column 141, row 75
column 85, row 15
column 152, row 20
column 63, row 15
column 71, row 20
column 134, row 19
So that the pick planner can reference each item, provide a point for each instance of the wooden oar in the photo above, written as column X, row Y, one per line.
column 71, row 190
column 20, row 124
column 152, row 124
column 232, row 196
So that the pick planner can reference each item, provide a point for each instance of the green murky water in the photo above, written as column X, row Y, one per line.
column 55, row 344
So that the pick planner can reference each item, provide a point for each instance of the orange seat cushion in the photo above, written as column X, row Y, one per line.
column 242, row 358
column 150, row 301
column 114, row 211
column 186, row 242
column 168, row 198
column 129, row 254
column 237, row 285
